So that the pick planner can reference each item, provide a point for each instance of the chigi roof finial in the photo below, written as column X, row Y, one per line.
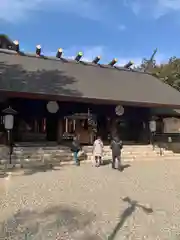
column 38, row 50
column 16, row 45
column 7, row 44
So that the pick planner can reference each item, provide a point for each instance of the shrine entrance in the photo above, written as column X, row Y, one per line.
column 36, row 124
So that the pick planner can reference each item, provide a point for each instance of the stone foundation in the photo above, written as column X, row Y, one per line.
column 173, row 146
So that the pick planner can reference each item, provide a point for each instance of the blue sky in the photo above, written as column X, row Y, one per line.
column 125, row 29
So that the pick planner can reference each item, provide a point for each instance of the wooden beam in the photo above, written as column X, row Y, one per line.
column 10, row 94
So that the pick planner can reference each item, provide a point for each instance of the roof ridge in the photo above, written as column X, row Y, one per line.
column 68, row 60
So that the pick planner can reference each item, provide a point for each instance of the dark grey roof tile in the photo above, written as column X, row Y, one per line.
column 64, row 77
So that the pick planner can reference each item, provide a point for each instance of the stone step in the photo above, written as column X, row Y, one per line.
column 58, row 161
column 84, row 147
column 27, row 155
column 68, row 149
column 85, row 150
column 31, row 145
column 69, row 156
column 57, row 154
column 61, row 153
column 164, row 153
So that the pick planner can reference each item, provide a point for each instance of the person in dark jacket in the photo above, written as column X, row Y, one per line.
column 116, row 146
column 75, row 148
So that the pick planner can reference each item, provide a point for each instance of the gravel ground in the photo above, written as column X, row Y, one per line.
column 87, row 203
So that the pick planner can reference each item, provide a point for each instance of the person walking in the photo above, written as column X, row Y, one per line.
column 98, row 151
column 152, row 128
column 116, row 147
column 75, row 148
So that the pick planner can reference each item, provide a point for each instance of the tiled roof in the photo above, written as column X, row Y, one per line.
column 28, row 73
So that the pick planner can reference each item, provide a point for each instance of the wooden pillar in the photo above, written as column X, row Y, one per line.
column 66, row 126
column 60, row 130
column 113, row 129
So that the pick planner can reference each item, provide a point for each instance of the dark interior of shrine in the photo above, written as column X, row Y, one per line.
column 130, row 125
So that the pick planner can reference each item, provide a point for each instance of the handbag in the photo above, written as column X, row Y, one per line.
column 80, row 153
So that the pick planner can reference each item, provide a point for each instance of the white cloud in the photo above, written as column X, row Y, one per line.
column 170, row 4
column 91, row 53
column 160, row 58
column 121, row 27
column 153, row 8
column 16, row 10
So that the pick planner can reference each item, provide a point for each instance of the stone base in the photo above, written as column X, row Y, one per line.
column 173, row 146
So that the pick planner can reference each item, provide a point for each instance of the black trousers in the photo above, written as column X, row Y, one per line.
column 98, row 160
column 118, row 159
column 152, row 138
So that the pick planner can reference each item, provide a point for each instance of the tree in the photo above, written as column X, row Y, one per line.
column 169, row 72
column 147, row 64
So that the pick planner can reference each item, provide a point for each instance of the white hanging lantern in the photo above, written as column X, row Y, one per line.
column 9, row 118
column 8, row 121
column 52, row 107
column 119, row 110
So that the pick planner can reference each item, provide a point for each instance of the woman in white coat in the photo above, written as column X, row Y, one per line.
column 97, row 151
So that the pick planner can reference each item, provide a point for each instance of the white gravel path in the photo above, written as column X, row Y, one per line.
column 87, row 203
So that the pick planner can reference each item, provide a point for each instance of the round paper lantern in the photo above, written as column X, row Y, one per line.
column 52, row 107
column 119, row 110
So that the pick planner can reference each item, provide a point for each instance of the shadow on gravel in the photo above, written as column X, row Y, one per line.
column 3, row 174
column 125, row 166
column 28, row 170
column 57, row 222
column 37, row 169
column 133, row 205
column 107, row 162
